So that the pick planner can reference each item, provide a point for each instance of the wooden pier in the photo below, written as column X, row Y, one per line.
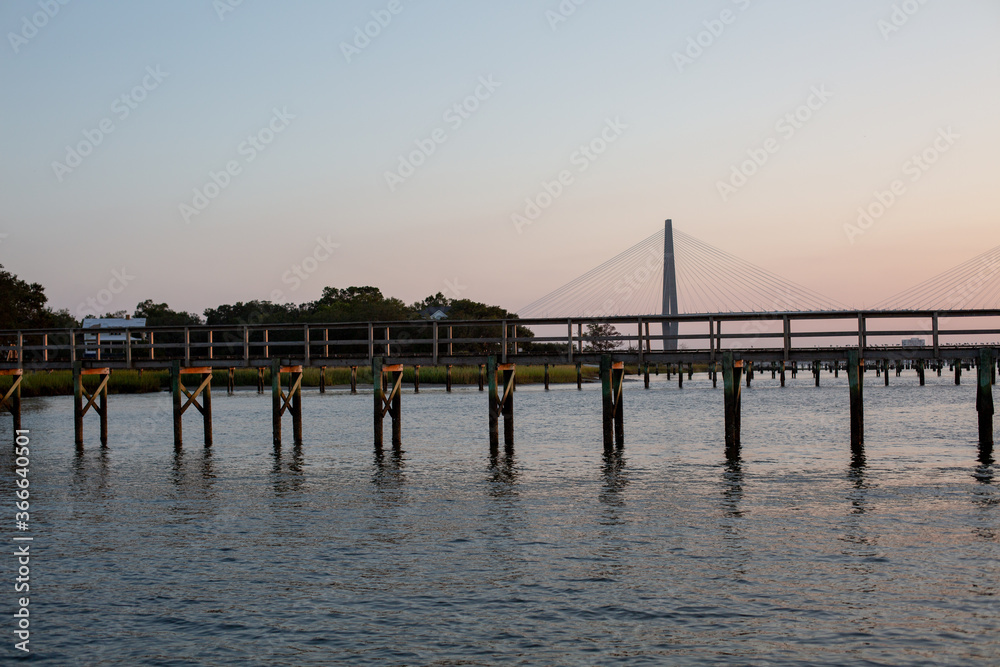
column 737, row 344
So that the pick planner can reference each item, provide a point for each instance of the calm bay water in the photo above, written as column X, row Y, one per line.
column 554, row 554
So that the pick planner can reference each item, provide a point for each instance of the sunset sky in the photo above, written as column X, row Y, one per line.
column 200, row 153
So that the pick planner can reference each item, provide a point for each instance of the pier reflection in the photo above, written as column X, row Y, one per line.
column 287, row 475
column 388, row 472
column 732, row 487
column 502, row 472
column 616, row 478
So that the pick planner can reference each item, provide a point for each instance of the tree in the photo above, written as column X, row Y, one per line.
column 601, row 338
column 160, row 314
column 22, row 305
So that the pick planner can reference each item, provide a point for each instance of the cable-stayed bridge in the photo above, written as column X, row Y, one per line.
column 672, row 272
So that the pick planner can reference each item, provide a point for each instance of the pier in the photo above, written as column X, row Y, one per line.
column 735, row 344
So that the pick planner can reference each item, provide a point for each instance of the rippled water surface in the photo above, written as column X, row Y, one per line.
column 552, row 554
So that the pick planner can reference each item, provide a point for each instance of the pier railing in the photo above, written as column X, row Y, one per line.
column 697, row 338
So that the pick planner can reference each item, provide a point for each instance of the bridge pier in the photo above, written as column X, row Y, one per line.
column 732, row 369
column 11, row 401
column 80, row 393
column 500, row 402
column 281, row 402
column 984, row 399
column 178, row 390
column 391, row 404
column 856, row 382
column 612, row 377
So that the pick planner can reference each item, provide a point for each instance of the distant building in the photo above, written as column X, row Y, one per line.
column 914, row 342
column 435, row 312
column 116, row 338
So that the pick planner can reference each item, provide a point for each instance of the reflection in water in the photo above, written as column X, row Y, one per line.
column 856, row 474
column 503, row 473
column 286, row 472
column 984, row 471
column 388, row 472
column 615, row 480
column 732, row 487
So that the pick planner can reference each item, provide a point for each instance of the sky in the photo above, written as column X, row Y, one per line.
column 207, row 152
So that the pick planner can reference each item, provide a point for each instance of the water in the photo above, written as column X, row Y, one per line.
column 557, row 554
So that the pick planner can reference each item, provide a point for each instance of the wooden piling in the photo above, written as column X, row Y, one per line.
column 11, row 401
column 260, row 380
column 179, row 391
column 732, row 369
column 546, row 377
column 715, row 375
column 391, row 404
column 354, row 379
column 645, row 375
column 98, row 400
column 885, row 371
column 690, row 371
column 612, row 376
column 856, row 379
column 748, row 371
column 782, row 374
column 282, row 402
column 984, row 398
column 447, row 378
column 680, row 376
column 816, row 372
column 579, row 375
column 416, row 379
column 501, row 401
column 958, row 371
column 230, row 380
column 920, row 371
column 322, row 379
column 482, row 374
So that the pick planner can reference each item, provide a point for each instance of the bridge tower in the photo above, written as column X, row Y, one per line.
column 669, row 287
